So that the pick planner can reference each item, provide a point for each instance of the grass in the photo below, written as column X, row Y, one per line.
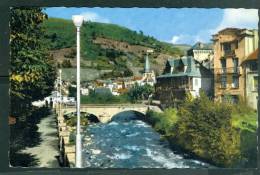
column 104, row 99
column 245, row 121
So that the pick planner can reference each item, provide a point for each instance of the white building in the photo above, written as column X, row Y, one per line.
column 84, row 91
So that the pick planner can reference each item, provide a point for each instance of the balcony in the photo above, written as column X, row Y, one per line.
column 228, row 53
column 229, row 70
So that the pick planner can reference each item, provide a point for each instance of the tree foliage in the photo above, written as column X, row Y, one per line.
column 205, row 128
column 32, row 73
column 138, row 92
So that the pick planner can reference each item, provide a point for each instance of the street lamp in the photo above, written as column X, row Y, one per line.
column 60, row 91
column 78, row 20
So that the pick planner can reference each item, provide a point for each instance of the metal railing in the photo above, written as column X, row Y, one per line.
column 232, row 70
column 227, row 53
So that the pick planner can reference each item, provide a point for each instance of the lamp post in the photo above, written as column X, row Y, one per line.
column 78, row 20
column 60, row 91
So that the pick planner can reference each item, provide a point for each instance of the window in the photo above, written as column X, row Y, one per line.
column 255, row 83
column 235, row 81
column 223, row 81
column 237, row 44
column 235, row 64
column 253, row 66
column 226, row 46
column 196, row 82
column 223, row 65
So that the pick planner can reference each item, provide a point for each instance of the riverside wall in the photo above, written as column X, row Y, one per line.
column 67, row 150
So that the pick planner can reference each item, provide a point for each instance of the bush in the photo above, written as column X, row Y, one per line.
column 66, row 64
column 137, row 92
column 96, row 98
column 205, row 128
column 163, row 122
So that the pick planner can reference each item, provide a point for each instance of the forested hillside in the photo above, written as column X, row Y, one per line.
column 105, row 47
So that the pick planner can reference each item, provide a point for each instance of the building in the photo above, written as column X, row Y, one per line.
column 203, row 53
column 231, row 47
column 182, row 76
column 250, row 66
column 53, row 99
column 84, row 91
column 148, row 75
column 103, row 91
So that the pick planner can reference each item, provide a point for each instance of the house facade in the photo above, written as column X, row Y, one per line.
column 231, row 48
column 250, row 66
column 203, row 53
column 181, row 76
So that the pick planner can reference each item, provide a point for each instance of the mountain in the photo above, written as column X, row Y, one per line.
column 106, row 47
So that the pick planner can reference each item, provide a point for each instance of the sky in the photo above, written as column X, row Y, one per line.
column 176, row 26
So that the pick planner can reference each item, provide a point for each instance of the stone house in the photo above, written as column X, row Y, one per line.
column 231, row 47
column 250, row 66
column 181, row 76
column 203, row 53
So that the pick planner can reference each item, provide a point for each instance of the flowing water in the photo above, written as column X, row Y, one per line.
column 127, row 142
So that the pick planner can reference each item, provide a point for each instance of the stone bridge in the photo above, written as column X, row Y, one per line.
column 106, row 112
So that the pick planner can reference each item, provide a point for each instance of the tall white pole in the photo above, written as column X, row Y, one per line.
column 60, row 92
column 78, row 135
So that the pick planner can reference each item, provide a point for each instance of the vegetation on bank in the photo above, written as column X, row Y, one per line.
column 134, row 95
column 221, row 133
column 32, row 76
column 138, row 93
column 32, row 73
column 95, row 98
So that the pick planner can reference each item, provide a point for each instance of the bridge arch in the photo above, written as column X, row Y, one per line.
column 90, row 117
column 128, row 115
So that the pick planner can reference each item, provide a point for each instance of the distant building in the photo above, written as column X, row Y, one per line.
column 203, row 53
column 231, row 47
column 250, row 65
column 103, row 91
column 84, row 91
column 181, row 76
column 54, row 99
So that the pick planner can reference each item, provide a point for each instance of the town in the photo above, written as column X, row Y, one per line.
column 225, row 69
column 87, row 93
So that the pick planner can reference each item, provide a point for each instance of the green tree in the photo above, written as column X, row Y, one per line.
column 32, row 73
column 205, row 128
column 138, row 92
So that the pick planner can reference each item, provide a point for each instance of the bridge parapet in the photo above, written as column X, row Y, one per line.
column 106, row 112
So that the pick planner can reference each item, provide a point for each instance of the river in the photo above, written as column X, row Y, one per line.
column 127, row 142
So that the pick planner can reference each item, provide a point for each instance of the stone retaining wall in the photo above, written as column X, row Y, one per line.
column 67, row 150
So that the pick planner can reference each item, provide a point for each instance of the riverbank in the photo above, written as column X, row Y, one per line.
column 221, row 134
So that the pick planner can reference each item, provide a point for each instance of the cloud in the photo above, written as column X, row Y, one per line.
column 240, row 18
column 94, row 17
column 175, row 39
column 186, row 39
